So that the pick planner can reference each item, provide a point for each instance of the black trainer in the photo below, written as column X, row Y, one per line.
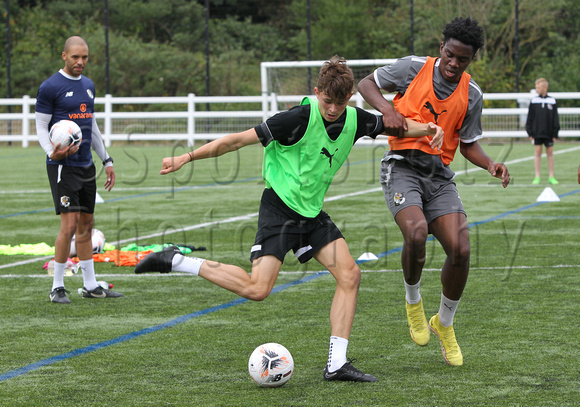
column 100, row 292
column 58, row 295
column 349, row 373
column 158, row 261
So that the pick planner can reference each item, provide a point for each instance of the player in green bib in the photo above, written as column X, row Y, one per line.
column 303, row 171
column 304, row 148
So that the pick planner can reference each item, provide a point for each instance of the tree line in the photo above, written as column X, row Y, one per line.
column 158, row 47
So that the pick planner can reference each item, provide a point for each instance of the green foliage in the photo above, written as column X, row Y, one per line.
column 386, row 40
column 259, row 41
column 159, row 21
column 163, row 41
column 346, row 28
column 492, row 75
column 35, row 54
column 179, row 22
column 556, row 49
column 339, row 27
column 237, row 48
column 145, row 69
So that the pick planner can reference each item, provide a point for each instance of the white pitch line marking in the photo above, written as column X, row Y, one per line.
column 254, row 214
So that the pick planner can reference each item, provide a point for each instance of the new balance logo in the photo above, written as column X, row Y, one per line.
column 69, row 94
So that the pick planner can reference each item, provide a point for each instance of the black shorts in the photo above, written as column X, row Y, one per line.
column 546, row 141
column 73, row 188
column 280, row 229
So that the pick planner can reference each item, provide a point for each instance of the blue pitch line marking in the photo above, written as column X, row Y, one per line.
column 132, row 335
column 81, row 351
column 158, row 192
column 26, row 213
column 481, row 222
column 185, row 188
column 166, row 191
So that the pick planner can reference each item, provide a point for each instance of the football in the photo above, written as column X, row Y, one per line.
column 65, row 132
column 98, row 240
column 271, row 365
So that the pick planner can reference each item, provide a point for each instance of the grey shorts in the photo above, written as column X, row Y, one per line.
column 406, row 186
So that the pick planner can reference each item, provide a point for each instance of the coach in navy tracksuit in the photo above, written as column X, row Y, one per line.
column 68, row 95
column 542, row 127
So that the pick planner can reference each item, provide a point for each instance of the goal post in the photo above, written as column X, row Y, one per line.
column 290, row 80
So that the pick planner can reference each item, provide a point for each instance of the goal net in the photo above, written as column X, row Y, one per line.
column 300, row 77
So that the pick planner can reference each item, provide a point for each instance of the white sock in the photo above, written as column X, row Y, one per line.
column 413, row 295
column 336, row 353
column 186, row 264
column 447, row 310
column 88, row 269
column 58, row 279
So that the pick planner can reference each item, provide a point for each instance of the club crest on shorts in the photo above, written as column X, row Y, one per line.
column 65, row 201
column 399, row 198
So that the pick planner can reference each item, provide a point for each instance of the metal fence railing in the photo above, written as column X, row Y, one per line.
column 189, row 118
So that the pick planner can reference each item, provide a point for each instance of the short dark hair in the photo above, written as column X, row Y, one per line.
column 465, row 30
column 336, row 79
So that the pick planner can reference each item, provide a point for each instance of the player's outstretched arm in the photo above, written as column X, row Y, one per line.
column 393, row 121
column 418, row 129
column 221, row 146
column 475, row 154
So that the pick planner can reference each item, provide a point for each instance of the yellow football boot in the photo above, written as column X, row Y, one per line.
column 418, row 323
column 451, row 351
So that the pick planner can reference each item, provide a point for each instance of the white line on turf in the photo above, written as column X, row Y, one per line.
column 176, row 274
column 252, row 215
column 117, row 189
column 144, row 189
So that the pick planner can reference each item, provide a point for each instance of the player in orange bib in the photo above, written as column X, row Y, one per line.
column 416, row 179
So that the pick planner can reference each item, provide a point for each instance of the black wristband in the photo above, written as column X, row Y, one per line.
column 108, row 160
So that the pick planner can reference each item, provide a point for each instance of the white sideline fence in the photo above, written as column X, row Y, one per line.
column 187, row 118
